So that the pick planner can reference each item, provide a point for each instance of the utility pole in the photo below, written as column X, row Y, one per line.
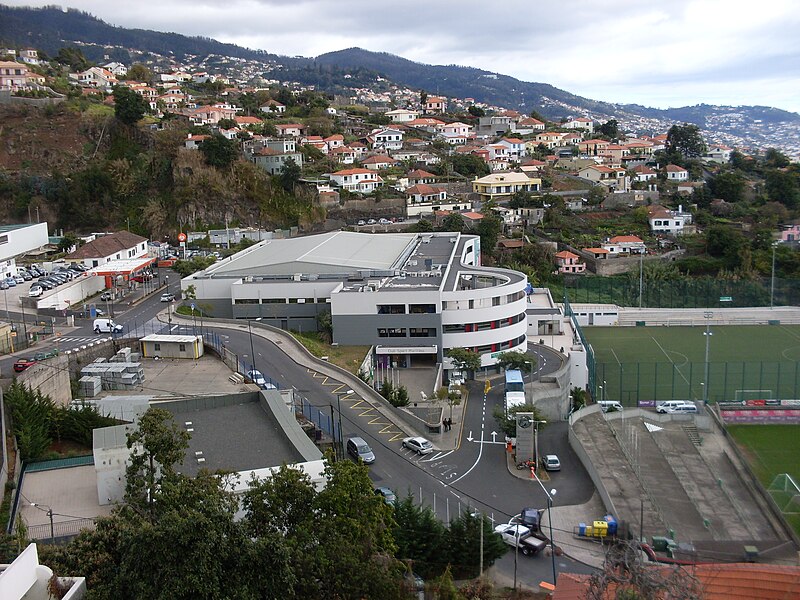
column 708, row 334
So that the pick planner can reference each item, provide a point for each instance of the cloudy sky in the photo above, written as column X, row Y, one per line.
column 669, row 53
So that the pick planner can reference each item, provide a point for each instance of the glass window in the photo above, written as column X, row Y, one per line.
column 182, row 347
column 391, row 309
column 157, row 347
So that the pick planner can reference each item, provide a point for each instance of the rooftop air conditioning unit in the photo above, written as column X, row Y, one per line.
column 297, row 276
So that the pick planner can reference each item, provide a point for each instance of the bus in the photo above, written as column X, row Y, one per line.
column 515, row 389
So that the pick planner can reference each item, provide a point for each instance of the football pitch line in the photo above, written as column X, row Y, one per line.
column 672, row 361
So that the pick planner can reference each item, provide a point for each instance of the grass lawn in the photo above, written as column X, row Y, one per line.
column 772, row 450
column 663, row 363
column 347, row 357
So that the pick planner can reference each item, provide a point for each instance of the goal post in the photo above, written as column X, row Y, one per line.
column 744, row 395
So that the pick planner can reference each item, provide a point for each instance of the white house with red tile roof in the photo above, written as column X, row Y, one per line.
column 515, row 147
column 245, row 122
column 357, row 180
column 290, row 129
column 625, row 244
column 718, row 153
column 15, row 76
column 427, row 199
column 528, row 124
column 676, row 173
column 532, row 166
column 597, row 253
column 95, row 77
column 644, row 173
column 614, row 178
column 571, row 139
column 402, row 115
column 273, row 107
column 551, row 139
column 428, row 124
column 579, row 123
column 193, row 142
column 359, row 148
column 435, row 105
column 334, row 141
column 569, row 262
column 614, row 153
column 210, row 115
column 419, row 176
column 344, row 155
column 386, row 139
column 501, row 186
column 378, row 162
column 640, row 147
column 672, row 222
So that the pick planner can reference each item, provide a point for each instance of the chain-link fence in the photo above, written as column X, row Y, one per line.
column 684, row 292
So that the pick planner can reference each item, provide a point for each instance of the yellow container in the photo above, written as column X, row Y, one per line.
column 600, row 529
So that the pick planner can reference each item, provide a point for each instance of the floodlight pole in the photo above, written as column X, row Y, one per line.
column 707, row 315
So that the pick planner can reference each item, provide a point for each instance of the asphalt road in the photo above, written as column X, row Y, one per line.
column 474, row 476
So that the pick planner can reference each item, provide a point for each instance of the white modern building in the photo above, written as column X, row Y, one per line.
column 410, row 296
column 16, row 240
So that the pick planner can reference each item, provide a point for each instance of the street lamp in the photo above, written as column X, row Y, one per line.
column 707, row 315
column 339, row 408
column 169, row 305
column 550, row 495
column 530, row 363
column 49, row 512
column 536, row 444
column 252, row 351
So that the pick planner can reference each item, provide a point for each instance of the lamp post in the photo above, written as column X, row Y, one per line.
column 530, row 364
column 641, row 276
column 550, row 495
column 5, row 293
column 339, row 408
column 707, row 315
column 169, row 305
column 252, row 350
column 49, row 512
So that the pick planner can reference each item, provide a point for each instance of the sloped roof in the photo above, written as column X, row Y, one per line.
column 623, row 239
column 107, row 245
column 566, row 254
column 424, row 189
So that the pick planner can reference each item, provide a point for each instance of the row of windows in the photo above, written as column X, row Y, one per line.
column 280, row 300
column 484, row 325
column 496, row 301
column 400, row 309
column 401, row 332
column 500, row 347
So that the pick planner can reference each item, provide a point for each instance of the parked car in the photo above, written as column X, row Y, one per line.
column 11, row 282
column 362, row 222
column 25, row 275
column 19, row 279
column 371, row 222
column 550, row 462
column 23, row 363
column 106, row 296
column 360, row 450
column 35, row 291
column 256, row 376
column 4, row 285
column 387, row 494
column 418, row 444
column 167, row 297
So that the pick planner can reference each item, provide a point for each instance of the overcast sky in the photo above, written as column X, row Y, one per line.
column 669, row 53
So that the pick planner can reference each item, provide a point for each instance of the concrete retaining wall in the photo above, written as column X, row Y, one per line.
column 550, row 394
column 583, row 456
column 51, row 378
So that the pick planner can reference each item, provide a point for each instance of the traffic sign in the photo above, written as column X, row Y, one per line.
column 725, row 299
column 181, row 237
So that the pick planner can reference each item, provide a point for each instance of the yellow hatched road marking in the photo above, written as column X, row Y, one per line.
column 377, row 421
column 340, row 386
column 397, row 436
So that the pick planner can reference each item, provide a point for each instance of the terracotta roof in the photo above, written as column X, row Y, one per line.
column 716, row 581
column 674, row 169
column 266, row 151
column 424, row 189
column 622, row 239
column 380, row 159
column 596, row 250
column 475, row 216
column 354, row 172
column 334, row 138
column 530, row 121
column 247, row 120
column 508, row 244
column 107, row 245
column 566, row 254
column 419, row 174
column 643, row 170
column 289, row 126
column 511, row 140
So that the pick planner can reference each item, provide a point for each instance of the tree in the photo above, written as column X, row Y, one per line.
column 776, row 159
column 67, row 241
column 420, row 537
column 463, row 544
column 226, row 124
column 686, row 140
column 464, row 359
column 129, row 107
column 453, row 222
column 728, row 185
column 139, row 72
column 506, row 420
column 514, row 359
column 476, row 111
column 156, row 446
column 290, row 175
column 219, row 151
column 469, row 165
column 610, row 129
column 489, row 230
column 73, row 58
column 538, row 116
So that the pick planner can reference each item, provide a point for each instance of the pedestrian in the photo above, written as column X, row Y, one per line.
column 446, row 428
column 449, row 424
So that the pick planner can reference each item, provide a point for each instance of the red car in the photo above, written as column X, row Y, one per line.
column 23, row 363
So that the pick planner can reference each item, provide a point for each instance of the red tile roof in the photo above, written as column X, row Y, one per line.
column 623, row 239
column 378, row 160
column 596, row 250
column 567, row 254
column 423, row 189
column 354, row 172
column 107, row 245
column 674, row 169
column 420, row 174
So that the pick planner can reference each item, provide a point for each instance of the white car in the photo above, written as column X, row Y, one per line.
column 384, row 221
column 418, row 444
column 35, row 291
column 256, row 377
column 371, row 222
column 167, row 297
column 551, row 463
column 361, row 223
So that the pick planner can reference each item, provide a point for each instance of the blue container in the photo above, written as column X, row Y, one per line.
column 582, row 529
column 612, row 524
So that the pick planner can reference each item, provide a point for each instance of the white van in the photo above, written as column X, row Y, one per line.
column 610, row 405
column 682, row 409
column 106, row 326
column 669, row 405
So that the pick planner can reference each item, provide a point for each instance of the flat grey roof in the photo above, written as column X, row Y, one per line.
column 342, row 252
column 238, row 437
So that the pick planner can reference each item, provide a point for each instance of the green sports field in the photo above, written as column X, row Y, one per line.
column 772, row 450
column 664, row 363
